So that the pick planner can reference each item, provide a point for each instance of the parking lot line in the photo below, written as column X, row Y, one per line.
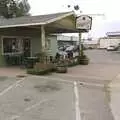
column 55, row 78
column 28, row 109
column 86, row 76
column 35, row 105
column 77, row 108
column 11, row 86
column 70, row 81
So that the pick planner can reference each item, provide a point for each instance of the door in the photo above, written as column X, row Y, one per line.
column 27, row 47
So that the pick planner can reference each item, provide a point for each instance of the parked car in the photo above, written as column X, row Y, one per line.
column 70, row 48
column 62, row 53
column 73, row 51
column 62, row 48
column 112, row 48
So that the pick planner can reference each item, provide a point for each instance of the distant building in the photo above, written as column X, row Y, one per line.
column 111, row 39
column 93, row 44
column 67, row 40
column 113, row 34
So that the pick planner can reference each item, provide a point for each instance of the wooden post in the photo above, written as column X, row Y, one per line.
column 43, row 39
column 79, row 44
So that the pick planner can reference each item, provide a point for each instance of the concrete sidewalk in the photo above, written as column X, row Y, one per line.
column 114, row 93
column 12, row 71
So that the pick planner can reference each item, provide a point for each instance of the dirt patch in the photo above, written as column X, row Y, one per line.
column 48, row 87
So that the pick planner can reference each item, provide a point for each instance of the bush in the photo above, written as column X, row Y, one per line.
column 37, row 71
column 73, row 62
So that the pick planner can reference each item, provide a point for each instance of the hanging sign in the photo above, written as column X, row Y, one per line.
column 84, row 22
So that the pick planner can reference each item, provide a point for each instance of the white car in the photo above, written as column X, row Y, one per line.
column 62, row 53
column 70, row 48
column 111, row 48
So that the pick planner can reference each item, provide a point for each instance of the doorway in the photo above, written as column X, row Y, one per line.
column 26, row 47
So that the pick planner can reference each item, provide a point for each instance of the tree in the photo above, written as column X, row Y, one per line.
column 14, row 8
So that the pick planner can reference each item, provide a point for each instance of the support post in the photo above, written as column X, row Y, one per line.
column 80, row 47
column 43, row 38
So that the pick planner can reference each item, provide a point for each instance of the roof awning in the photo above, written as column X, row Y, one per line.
column 54, row 23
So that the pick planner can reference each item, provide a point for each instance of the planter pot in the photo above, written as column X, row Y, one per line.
column 84, row 61
column 61, row 69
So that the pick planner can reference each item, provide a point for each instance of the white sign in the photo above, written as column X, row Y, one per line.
column 84, row 22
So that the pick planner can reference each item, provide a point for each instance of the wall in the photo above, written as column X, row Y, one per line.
column 105, row 42
column 53, row 45
column 35, row 45
column 2, row 60
column 19, row 34
column 91, row 44
column 35, row 37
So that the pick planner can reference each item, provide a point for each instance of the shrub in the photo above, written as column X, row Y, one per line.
column 37, row 71
column 73, row 62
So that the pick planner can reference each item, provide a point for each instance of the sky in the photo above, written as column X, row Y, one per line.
column 101, row 24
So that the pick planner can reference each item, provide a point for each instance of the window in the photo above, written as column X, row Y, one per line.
column 11, row 45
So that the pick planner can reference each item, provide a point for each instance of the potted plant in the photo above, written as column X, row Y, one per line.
column 61, row 66
column 84, row 60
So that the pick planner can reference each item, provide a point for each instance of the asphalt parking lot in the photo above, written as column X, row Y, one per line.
column 78, row 95
column 33, row 98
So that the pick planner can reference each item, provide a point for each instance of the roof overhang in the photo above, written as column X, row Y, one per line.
column 55, row 25
column 40, row 23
